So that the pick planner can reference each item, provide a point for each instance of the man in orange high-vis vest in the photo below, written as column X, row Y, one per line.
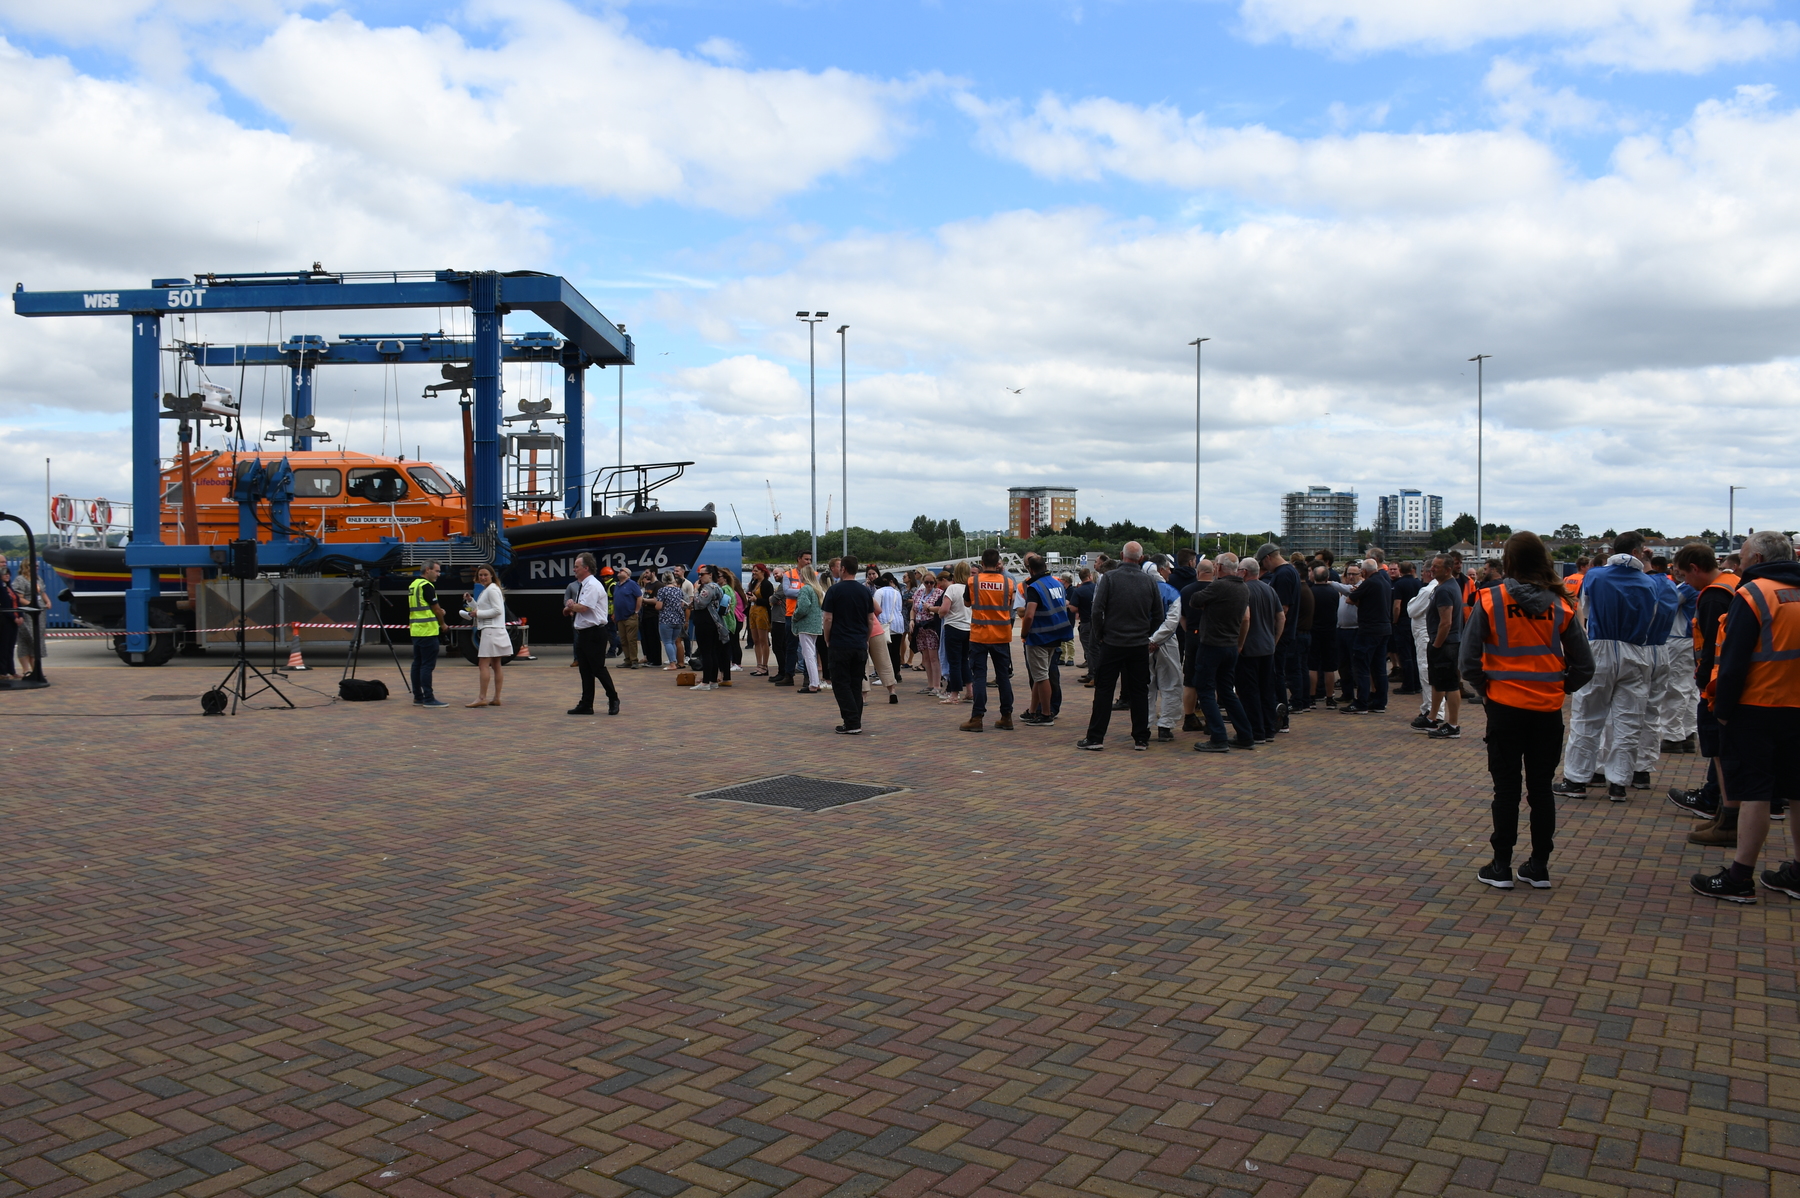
column 1696, row 564
column 781, row 615
column 1523, row 650
column 1756, row 699
column 991, row 595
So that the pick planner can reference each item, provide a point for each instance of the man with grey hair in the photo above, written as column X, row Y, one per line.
column 1256, row 662
column 1374, row 600
column 1756, row 699
column 1128, row 609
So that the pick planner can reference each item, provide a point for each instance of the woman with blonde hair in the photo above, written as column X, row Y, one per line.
column 487, row 612
column 955, row 611
column 809, row 625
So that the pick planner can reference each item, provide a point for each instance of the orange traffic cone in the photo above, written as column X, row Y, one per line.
column 525, row 642
column 295, row 660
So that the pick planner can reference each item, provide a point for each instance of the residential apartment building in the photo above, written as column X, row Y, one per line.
column 1319, row 518
column 1031, row 508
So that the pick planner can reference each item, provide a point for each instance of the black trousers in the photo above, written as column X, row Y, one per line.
column 1256, row 690
column 1523, row 748
column 847, row 667
column 590, row 655
column 650, row 638
column 712, row 649
column 1129, row 668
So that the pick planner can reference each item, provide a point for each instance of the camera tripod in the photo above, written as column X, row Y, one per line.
column 367, row 600
column 235, row 687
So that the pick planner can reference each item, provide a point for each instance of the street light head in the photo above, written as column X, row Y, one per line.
column 803, row 315
column 1480, row 357
column 821, row 315
column 842, row 327
column 1198, row 340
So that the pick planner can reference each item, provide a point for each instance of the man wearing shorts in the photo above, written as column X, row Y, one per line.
column 1047, row 628
column 1443, row 632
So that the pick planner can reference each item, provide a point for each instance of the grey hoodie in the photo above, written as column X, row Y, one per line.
column 1578, row 658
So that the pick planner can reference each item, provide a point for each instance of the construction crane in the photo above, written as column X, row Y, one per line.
column 828, row 511
column 773, row 514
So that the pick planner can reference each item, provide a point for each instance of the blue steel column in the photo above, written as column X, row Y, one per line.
column 574, row 366
column 146, row 472
column 301, row 402
column 484, row 299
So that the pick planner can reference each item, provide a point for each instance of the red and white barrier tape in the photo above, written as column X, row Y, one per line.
column 91, row 633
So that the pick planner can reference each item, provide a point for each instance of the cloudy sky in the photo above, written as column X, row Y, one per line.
column 1349, row 197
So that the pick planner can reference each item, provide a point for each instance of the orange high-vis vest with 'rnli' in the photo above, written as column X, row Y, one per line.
column 1521, row 654
column 990, row 608
column 1774, row 679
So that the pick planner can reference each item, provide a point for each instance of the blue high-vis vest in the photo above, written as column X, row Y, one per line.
column 1050, row 622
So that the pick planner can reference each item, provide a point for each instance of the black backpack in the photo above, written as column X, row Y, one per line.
column 362, row 690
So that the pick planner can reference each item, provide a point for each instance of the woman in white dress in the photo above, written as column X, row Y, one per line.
column 487, row 612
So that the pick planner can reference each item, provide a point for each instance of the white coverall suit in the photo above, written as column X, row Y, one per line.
column 1416, row 607
column 1626, row 629
column 1165, row 669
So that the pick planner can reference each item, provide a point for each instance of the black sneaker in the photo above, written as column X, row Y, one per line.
column 1142, row 746
column 893, row 698
column 612, row 707
column 1092, row 746
column 1211, row 746
column 1192, row 723
column 1692, row 802
column 1446, row 732
column 1165, row 734
column 1785, row 879
column 1640, row 780
column 1422, row 723
column 1721, row 886
column 1778, row 809
column 1030, row 717
column 843, row 731
column 1537, row 873
column 1500, row 877
column 1331, row 700
column 581, row 711
column 1569, row 790
column 1615, row 791
column 1353, row 709
column 1243, row 743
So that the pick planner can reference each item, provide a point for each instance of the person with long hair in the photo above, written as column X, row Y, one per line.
column 808, row 624
column 485, row 608
column 709, row 629
column 671, row 619
column 1523, row 650
column 761, row 591
column 955, row 610
column 926, row 625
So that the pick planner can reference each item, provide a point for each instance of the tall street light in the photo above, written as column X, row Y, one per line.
column 1480, row 538
column 1197, row 343
column 844, row 416
column 812, row 320
column 621, row 412
column 1731, row 517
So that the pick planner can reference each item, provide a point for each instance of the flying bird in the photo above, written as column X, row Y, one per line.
column 1014, row 390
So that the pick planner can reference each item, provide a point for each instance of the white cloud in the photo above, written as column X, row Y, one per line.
column 1634, row 318
column 1645, row 35
column 1519, row 100
column 1368, row 171
column 723, row 50
column 568, row 100
column 742, row 385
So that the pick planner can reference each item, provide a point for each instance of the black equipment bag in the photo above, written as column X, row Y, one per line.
column 362, row 690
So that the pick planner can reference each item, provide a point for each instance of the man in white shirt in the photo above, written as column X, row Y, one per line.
column 589, row 608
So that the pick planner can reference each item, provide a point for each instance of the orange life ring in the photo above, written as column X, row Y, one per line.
column 100, row 514
column 62, row 511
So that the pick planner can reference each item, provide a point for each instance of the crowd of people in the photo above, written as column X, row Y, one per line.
column 20, row 598
column 1651, row 657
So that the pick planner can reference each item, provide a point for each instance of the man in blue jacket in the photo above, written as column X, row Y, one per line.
column 1628, row 617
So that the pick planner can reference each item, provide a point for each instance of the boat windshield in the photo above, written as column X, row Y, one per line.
column 377, row 484
column 430, row 481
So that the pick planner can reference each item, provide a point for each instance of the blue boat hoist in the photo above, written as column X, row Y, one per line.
column 587, row 339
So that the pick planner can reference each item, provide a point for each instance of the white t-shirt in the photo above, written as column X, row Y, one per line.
column 956, row 593
column 593, row 597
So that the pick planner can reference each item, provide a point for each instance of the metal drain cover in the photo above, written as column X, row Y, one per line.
column 168, row 698
column 798, row 792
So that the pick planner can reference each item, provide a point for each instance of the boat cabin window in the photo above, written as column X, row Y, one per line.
column 377, row 484
column 317, row 484
column 172, row 491
column 430, row 481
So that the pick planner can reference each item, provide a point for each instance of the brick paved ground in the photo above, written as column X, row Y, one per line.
column 366, row 949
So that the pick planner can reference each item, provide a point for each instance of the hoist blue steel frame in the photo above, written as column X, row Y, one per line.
column 591, row 339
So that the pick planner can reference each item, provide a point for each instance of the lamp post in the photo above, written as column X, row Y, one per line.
column 1197, row 343
column 621, row 411
column 812, row 320
column 1480, row 538
column 844, row 418
column 1731, row 517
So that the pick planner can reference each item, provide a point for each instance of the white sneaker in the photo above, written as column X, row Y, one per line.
column 701, row 686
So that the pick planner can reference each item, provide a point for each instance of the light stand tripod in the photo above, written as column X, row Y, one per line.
column 366, row 599
column 238, row 678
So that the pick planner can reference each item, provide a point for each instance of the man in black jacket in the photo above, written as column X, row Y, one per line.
column 1128, row 608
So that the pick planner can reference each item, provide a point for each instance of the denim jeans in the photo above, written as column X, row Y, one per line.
column 1215, row 681
column 1370, row 659
column 980, row 653
column 425, row 655
column 670, row 632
